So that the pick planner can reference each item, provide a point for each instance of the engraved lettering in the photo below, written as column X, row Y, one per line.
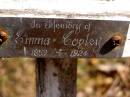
column 59, row 52
column 19, row 38
column 39, row 52
column 66, row 39
column 87, row 27
column 75, row 42
column 78, row 53
column 80, row 42
column 92, row 42
column 76, row 27
column 34, row 24
column 37, row 41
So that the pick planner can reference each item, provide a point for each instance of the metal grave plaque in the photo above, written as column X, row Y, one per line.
column 60, row 38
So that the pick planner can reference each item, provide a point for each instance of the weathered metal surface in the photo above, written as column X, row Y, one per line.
column 56, row 77
column 59, row 38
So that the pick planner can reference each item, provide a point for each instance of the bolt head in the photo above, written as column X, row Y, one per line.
column 117, row 40
column 3, row 35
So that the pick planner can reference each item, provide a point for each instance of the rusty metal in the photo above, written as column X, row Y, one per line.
column 111, row 44
column 117, row 39
column 60, row 38
column 3, row 36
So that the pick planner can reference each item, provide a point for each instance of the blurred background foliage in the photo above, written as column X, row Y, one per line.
column 103, row 77
column 17, row 78
column 96, row 77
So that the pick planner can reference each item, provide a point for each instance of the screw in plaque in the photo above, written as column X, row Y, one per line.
column 3, row 36
column 116, row 40
column 113, row 42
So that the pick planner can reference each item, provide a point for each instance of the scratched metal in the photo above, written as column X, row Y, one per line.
column 60, row 38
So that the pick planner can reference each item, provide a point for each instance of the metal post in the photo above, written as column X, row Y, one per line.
column 56, row 77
